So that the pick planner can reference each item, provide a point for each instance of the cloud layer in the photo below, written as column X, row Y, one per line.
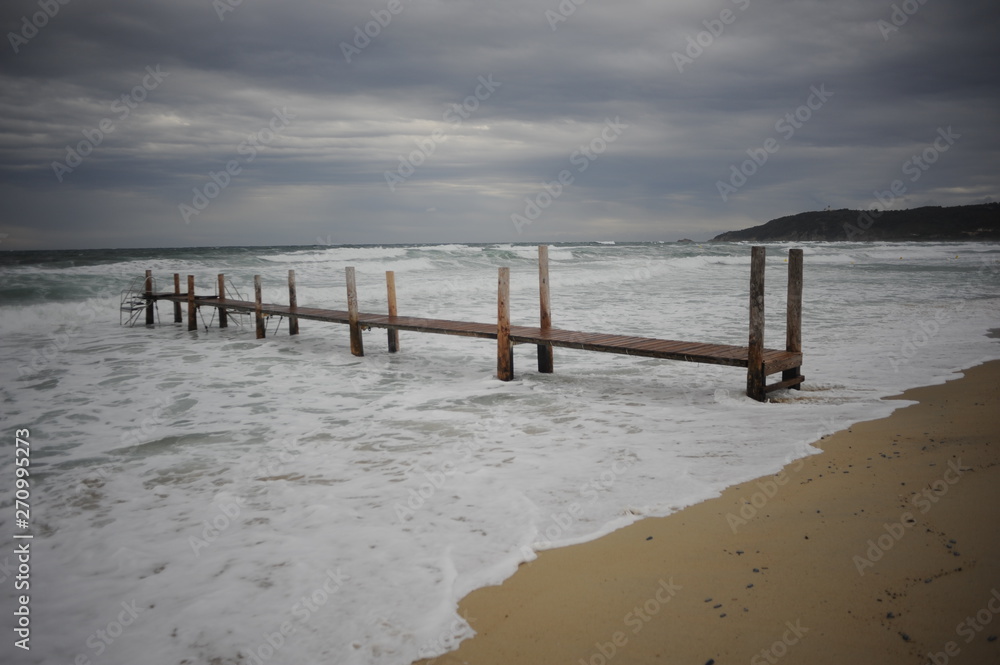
column 236, row 122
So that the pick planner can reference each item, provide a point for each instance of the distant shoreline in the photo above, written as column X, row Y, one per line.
column 979, row 222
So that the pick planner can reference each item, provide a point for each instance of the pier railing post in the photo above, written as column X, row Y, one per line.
column 755, row 356
column 357, row 344
column 293, row 303
column 177, row 292
column 545, row 361
column 148, row 289
column 223, row 317
column 505, row 351
column 793, row 318
column 192, row 309
column 258, row 308
column 390, row 288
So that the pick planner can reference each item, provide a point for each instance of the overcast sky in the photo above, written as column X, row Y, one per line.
column 390, row 121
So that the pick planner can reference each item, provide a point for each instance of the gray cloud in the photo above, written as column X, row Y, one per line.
column 694, row 103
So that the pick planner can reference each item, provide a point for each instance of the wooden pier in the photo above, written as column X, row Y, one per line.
column 759, row 361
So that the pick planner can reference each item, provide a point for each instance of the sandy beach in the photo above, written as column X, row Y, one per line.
column 884, row 548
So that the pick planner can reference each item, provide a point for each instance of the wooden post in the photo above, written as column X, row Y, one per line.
column 505, row 350
column 148, row 288
column 192, row 310
column 293, row 303
column 223, row 317
column 357, row 344
column 177, row 292
column 545, row 362
column 793, row 319
column 390, row 287
column 755, row 356
column 258, row 308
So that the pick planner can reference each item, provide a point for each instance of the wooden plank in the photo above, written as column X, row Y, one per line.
column 150, row 303
column 793, row 314
column 755, row 354
column 357, row 344
column 545, row 359
column 258, row 308
column 293, row 304
column 390, row 288
column 192, row 306
column 221, row 287
column 505, row 350
column 177, row 292
column 792, row 383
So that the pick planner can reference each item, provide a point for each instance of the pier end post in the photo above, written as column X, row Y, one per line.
column 177, row 292
column 390, row 288
column 545, row 360
column 192, row 308
column 755, row 357
column 148, row 292
column 505, row 350
column 793, row 314
column 258, row 308
column 293, row 303
column 357, row 344
column 223, row 317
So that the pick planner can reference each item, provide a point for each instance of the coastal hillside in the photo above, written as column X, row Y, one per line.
column 971, row 222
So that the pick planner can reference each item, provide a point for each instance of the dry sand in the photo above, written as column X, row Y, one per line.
column 818, row 564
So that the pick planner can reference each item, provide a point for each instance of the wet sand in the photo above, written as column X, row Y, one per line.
column 885, row 549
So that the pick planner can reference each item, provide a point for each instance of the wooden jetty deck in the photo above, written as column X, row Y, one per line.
column 760, row 362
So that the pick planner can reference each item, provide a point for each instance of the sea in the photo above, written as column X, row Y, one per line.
column 208, row 497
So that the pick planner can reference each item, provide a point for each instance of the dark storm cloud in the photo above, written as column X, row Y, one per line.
column 284, row 118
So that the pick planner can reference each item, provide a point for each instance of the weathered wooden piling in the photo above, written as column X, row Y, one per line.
column 545, row 360
column 150, row 303
column 357, row 343
column 293, row 303
column 793, row 314
column 756, row 379
column 177, row 292
column 390, row 288
column 258, row 308
column 505, row 349
column 192, row 306
column 223, row 317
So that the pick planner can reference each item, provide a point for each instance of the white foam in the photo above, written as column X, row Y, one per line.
column 391, row 485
